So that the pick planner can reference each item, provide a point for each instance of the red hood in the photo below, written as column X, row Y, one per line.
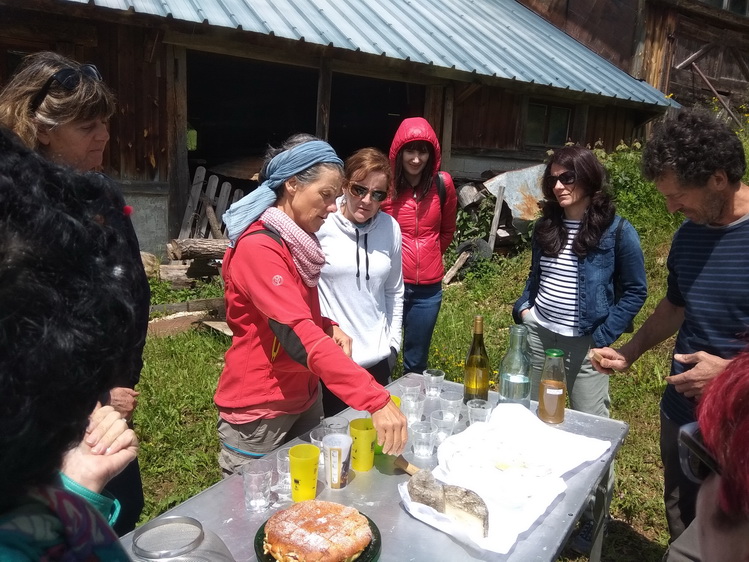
column 416, row 129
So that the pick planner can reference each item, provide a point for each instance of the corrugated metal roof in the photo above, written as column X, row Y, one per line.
column 498, row 38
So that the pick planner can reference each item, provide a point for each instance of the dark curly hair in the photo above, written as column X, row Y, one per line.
column 694, row 145
column 66, row 310
column 550, row 231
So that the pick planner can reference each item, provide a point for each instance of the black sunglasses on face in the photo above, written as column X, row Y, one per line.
column 68, row 78
column 361, row 191
column 565, row 178
column 697, row 463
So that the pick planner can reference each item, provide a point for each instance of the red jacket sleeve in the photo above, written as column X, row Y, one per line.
column 276, row 292
column 449, row 213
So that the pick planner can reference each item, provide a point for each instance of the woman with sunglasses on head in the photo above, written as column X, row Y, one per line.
column 61, row 109
column 425, row 206
column 361, row 283
column 282, row 345
column 583, row 255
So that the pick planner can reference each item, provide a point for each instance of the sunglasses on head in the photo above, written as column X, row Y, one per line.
column 68, row 78
column 697, row 463
column 565, row 178
column 361, row 191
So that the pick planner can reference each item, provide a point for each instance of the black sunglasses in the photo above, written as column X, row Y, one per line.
column 697, row 463
column 361, row 191
column 565, row 178
column 68, row 78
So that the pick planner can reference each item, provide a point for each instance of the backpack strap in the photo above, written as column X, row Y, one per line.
column 267, row 230
column 441, row 191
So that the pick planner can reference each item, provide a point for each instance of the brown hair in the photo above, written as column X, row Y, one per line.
column 89, row 99
column 366, row 161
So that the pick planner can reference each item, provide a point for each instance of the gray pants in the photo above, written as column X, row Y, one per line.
column 241, row 443
column 587, row 388
column 686, row 548
column 679, row 492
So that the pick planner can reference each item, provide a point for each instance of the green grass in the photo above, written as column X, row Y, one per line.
column 176, row 417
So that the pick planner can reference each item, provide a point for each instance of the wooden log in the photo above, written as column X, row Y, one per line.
column 176, row 275
column 183, row 276
column 192, row 248
column 210, row 214
column 189, row 306
column 453, row 271
column 468, row 195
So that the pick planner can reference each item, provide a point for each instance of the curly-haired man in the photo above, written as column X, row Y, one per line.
column 697, row 163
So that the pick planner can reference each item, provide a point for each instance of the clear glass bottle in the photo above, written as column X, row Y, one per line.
column 514, row 370
column 477, row 368
column 552, row 390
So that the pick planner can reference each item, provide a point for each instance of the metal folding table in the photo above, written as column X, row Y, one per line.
column 221, row 509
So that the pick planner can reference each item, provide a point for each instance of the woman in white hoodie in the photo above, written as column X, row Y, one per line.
column 361, row 284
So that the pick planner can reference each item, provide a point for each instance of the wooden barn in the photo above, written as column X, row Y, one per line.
column 212, row 82
column 697, row 51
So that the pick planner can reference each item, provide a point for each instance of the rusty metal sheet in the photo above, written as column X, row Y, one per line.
column 522, row 190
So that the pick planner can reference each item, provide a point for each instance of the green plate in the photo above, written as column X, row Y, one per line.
column 369, row 554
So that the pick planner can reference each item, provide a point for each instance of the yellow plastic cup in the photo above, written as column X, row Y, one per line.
column 378, row 448
column 303, row 462
column 362, row 450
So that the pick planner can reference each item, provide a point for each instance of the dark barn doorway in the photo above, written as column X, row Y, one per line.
column 238, row 106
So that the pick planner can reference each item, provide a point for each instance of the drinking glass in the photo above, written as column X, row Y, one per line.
column 452, row 402
column 433, row 379
column 284, row 471
column 315, row 437
column 336, row 424
column 410, row 386
column 444, row 421
column 422, row 438
column 413, row 407
column 256, row 479
column 478, row 410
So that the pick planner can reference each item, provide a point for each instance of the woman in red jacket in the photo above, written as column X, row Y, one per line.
column 269, row 390
column 424, row 206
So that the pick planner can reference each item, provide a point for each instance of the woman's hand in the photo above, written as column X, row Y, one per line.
column 341, row 338
column 124, row 400
column 392, row 428
column 107, row 448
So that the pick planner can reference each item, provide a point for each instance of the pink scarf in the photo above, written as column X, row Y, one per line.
column 305, row 247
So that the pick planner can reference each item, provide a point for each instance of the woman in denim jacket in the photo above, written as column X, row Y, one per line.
column 587, row 278
column 586, row 284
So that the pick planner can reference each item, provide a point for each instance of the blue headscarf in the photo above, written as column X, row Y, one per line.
column 282, row 167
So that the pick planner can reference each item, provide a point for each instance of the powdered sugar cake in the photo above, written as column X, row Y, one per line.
column 316, row 531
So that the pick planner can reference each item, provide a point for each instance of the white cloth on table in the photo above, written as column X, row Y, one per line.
column 515, row 462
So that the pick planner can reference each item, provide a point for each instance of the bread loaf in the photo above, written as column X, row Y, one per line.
column 316, row 531
column 461, row 505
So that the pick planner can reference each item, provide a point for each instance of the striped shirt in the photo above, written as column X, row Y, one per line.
column 556, row 307
column 708, row 276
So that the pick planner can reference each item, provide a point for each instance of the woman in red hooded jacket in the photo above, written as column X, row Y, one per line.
column 424, row 206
